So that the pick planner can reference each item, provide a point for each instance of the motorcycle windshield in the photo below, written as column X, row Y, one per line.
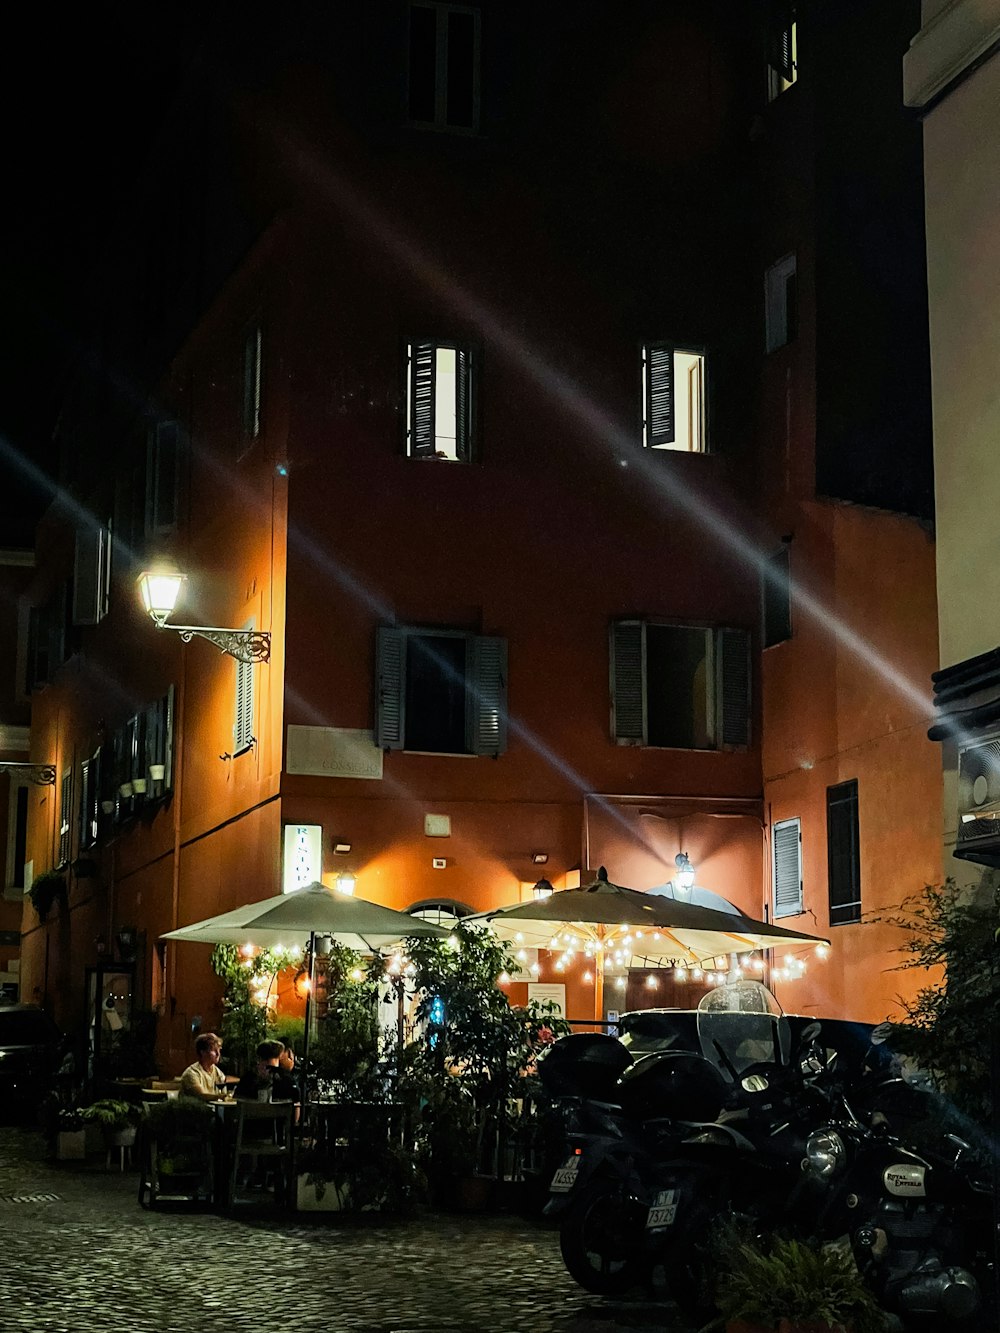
column 742, row 1024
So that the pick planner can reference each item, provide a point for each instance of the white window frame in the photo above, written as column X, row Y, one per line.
column 776, row 310
column 782, row 831
column 443, row 14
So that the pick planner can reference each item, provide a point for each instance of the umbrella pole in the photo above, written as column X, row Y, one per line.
column 599, row 982
column 308, row 1017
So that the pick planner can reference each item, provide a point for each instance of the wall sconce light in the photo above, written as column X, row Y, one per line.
column 543, row 889
column 341, row 848
column 160, row 587
column 539, row 858
column 346, row 882
column 684, row 879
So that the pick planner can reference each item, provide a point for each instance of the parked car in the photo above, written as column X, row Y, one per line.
column 30, row 1053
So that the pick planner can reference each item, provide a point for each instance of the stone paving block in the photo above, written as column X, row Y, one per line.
column 81, row 1256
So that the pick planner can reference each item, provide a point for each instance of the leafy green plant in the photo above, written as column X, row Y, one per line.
column 111, row 1114
column 790, row 1280
column 246, row 1022
column 954, row 935
column 45, row 890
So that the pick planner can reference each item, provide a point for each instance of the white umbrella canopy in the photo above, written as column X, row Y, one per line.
column 292, row 918
column 639, row 929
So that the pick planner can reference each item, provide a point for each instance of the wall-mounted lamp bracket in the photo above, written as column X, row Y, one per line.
column 42, row 775
column 246, row 645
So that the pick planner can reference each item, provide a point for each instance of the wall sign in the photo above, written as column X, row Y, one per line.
column 303, row 855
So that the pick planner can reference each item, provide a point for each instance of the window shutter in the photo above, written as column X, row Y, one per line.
column 167, row 733
column 779, row 37
column 162, row 478
column 786, row 861
column 84, row 837
column 776, row 598
column 463, row 404
column 38, row 647
column 65, row 815
column 90, row 574
column 390, row 688
column 628, row 682
column 659, row 395
column 487, row 696
column 422, row 399
column 251, row 384
column 733, row 656
column 243, row 724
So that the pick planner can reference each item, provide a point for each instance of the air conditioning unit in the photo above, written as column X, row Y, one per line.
column 979, row 800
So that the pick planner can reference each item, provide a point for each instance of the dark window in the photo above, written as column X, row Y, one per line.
column 252, row 371
column 20, row 837
column 444, row 66
column 162, row 478
column 782, row 47
column 843, row 852
column 776, row 598
column 90, row 787
column 680, row 686
column 91, row 573
column 781, row 304
column 442, row 692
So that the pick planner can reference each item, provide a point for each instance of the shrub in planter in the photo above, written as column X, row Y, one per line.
column 116, row 1119
column 44, row 891
column 795, row 1288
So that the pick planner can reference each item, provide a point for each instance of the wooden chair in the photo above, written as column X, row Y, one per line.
column 263, row 1134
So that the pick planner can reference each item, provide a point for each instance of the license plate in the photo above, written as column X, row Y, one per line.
column 565, row 1178
column 663, row 1211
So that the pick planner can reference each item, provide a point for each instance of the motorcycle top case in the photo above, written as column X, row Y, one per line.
column 584, row 1064
column 673, row 1084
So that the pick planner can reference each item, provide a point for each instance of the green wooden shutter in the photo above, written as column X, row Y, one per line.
column 786, row 864
column 423, row 380
column 162, row 476
column 733, row 688
column 390, row 688
column 487, row 695
column 781, row 16
column 463, row 404
column 243, row 726
column 628, row 682
column 659, row 405
column 91, row 570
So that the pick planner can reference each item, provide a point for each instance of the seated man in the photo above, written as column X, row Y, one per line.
column 267, row 1081
column 204, row 1079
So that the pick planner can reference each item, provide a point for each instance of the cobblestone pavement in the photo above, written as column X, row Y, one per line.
column 80, row 1256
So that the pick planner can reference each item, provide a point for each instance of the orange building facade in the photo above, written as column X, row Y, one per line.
column 520, row 623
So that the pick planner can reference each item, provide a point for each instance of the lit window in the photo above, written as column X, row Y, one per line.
column 679, row 686
column 439, row 401
column 782, row 48
column 673, row 398
column 444, row 66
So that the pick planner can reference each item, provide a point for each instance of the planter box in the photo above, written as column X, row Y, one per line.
column 333, row 1200
column 790, row 1326
column 71, row 1145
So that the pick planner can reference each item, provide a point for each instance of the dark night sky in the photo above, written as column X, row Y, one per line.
column 80, row 91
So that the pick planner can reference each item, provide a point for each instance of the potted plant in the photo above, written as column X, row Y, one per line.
column 44, row 891
column 117, row 1120
column 788, row 1286
column 179, row 1132
column 71, row 1135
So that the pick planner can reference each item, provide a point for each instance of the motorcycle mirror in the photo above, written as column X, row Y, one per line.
column 755, row 1083
column 810, row 1033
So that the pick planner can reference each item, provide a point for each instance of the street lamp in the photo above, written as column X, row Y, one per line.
column 159, row 588
column 684, row 879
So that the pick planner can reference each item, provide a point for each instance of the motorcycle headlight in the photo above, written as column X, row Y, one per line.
column 824, row 1153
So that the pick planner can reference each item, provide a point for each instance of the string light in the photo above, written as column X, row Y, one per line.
column 504, row 978
column 588, row 978
column 652, row 982
column 696, row 974
column 535, row 968
column 823, row 951
column 621, row 983
column 681, row 973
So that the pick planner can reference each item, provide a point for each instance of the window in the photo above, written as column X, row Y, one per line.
column 786, row 867
column 776, row 598
column 438, row 401
column 782, row 48
column 251, row 386
column 92, row 574
column 48, row 642
column 781, row 310
column 680, row 686
column 673, row 398
column 843, row 853
column 441, row 691
column 243, row 737
column 65, row 817
column 163, row 453
column 90, row 791
column 159, row 736
column 17, row 834
column 444, row 66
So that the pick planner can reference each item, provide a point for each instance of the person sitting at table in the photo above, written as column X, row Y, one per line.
column 267, row 1081
column 286, row 1063
column 204, row 1079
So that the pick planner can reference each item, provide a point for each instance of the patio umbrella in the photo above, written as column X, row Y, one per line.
column 302, row 915
column 647, row 930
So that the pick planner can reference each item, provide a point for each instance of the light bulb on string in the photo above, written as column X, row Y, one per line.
column 696, row 973
column 823, row 951
column 588, row 977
